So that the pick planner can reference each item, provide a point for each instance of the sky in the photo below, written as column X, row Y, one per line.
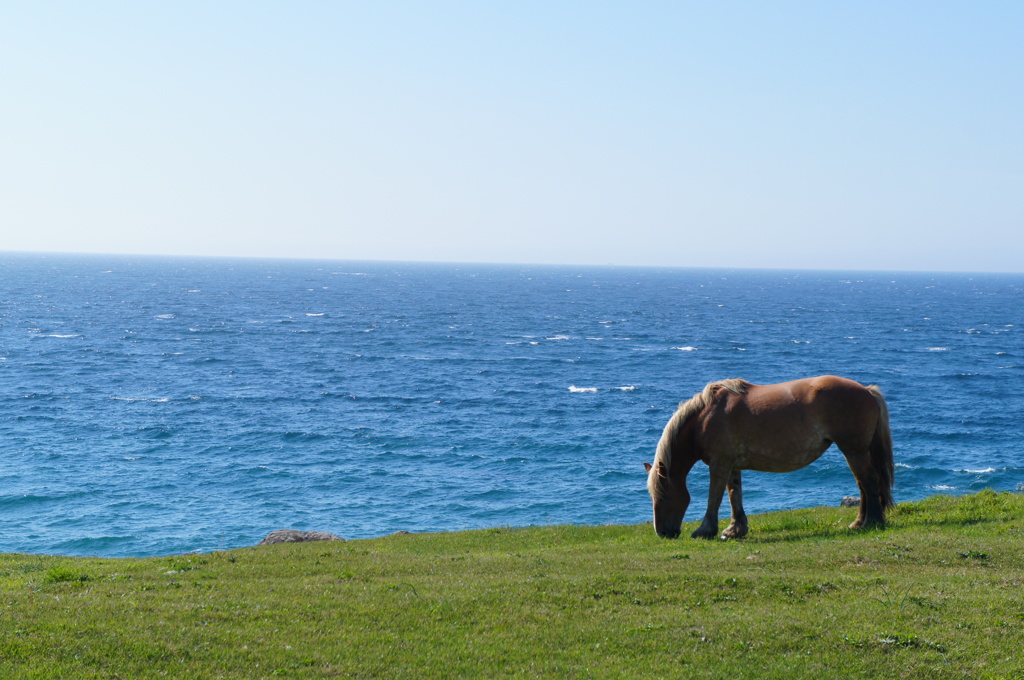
column 871, row 135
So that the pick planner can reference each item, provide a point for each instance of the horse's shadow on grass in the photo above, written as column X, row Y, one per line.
column 789, row 526
column 790, row 534
column 793, row 536
column 922, row 522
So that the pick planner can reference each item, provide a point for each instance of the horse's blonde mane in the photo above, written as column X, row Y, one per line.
column 691, row 407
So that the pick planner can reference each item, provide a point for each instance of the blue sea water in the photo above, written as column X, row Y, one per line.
column 162, row 405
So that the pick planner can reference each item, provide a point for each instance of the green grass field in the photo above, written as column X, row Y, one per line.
column 938, row 594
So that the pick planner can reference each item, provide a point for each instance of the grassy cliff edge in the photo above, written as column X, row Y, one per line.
column 937, row 594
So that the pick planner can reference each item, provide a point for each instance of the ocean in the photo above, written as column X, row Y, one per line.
column 155, row 406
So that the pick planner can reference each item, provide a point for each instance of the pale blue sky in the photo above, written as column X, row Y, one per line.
column 867, row 135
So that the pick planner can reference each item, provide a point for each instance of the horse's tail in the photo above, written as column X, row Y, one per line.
column 881, row 449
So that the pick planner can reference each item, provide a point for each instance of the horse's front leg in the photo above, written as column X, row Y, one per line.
column 738, row 526
column 709, row 527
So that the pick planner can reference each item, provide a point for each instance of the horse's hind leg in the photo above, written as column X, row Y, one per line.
column 871, row 512
column 738, row 526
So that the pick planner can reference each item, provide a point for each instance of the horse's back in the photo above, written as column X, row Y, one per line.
column 840, row 407
column 800, row 413
column 842, row 397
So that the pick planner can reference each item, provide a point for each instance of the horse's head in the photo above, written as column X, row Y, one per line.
column 666, row 477
column 670, row 498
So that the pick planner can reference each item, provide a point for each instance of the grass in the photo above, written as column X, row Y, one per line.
column 938, row 594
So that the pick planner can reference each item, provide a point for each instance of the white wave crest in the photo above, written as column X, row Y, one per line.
column 942, row 487
column 938, row 349
column 686, row 349
column 160, row 400
column 979, row 472
column 573, row 388
column 626, row 388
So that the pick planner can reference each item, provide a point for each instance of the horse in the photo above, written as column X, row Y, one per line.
column 733, row 425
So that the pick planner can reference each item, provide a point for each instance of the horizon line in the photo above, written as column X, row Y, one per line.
column 489, row 263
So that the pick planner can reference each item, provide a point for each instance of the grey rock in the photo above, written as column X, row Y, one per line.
column 294, row 536
column 850, row 502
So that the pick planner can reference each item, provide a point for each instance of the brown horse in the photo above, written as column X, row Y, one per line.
column 733, row 425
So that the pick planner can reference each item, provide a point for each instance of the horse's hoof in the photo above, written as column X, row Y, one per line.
column 868, row 525
column 704, row 534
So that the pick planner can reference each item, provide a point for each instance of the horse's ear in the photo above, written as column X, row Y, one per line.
column 647, row 466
